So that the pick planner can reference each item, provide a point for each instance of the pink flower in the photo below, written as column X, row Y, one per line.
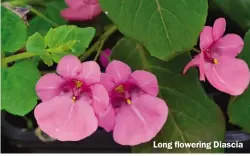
column 104, row 57
column 135, row 115
column 72, row 101
column 217, row 60
column 81, row 10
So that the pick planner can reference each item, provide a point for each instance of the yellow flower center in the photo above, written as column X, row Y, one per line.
column 119, row 89
column 74, row 99
column 78, row 84
column 129, row 101
column 215, row 61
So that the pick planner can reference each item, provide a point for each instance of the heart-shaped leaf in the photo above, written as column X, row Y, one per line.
column 239, row 107
column 193, row 117
column 165, row 27
column 18, row 88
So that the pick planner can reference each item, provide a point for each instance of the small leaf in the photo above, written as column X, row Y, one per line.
column 239, row 108
column 68, row 39
column 14, row 31
column 192, row 117
column 47, row 59
column 18, row 88
column 237, row 10
column 165, row 27
column 52, row 12
column 36, row 43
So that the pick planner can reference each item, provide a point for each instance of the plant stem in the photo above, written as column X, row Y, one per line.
column 29, row 123
column 38, row 13
column 3, row 64
column 19, row 57
column 96, row 45
column 99, row 50
column 196, row 50
column 232, row 99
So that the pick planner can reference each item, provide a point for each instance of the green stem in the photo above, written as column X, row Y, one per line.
column 196, row 50
column 29, row 123
column 96, row 45
column 3, row 64
column 19, row 57
column 232, row 99
column 99, row 50
column 38, row 13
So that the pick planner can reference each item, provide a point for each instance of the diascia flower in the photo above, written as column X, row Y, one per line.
column 135, row 114
column 81, row 10
column 217, row 60
column 72, row 101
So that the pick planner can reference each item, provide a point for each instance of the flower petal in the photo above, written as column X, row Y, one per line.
column 231, row 75
column 206, row 38
column 230, row 45
column 84, row 12
column 100, row 100
column 107, row 121
column 91, row 73
column 64, row 120
column 219, row 28
column 74, row 3
column 119, row 71
column 107, row 82
column 141, row 121
column 146, row 81
column 69, row 67
column 198, row 60
column 104, row 57
column 48, row 86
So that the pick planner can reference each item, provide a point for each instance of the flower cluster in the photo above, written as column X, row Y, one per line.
column 80, row 98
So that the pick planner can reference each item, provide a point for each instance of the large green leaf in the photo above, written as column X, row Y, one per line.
column 239, row 108
column 52, row 12
column 238, row 10
column 193, row 117
column 14, row 31
column 165, row 27
column 18, row 88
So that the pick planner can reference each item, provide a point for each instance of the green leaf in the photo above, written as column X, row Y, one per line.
column 237, row 10
column 165, row 27
column 18, row 88
column 52, row 12
column 36, row 43
column 68, row 39
column 14, row 31
column 239, row 107
column 47, row 59
column 245, row 54
column 193, row 117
